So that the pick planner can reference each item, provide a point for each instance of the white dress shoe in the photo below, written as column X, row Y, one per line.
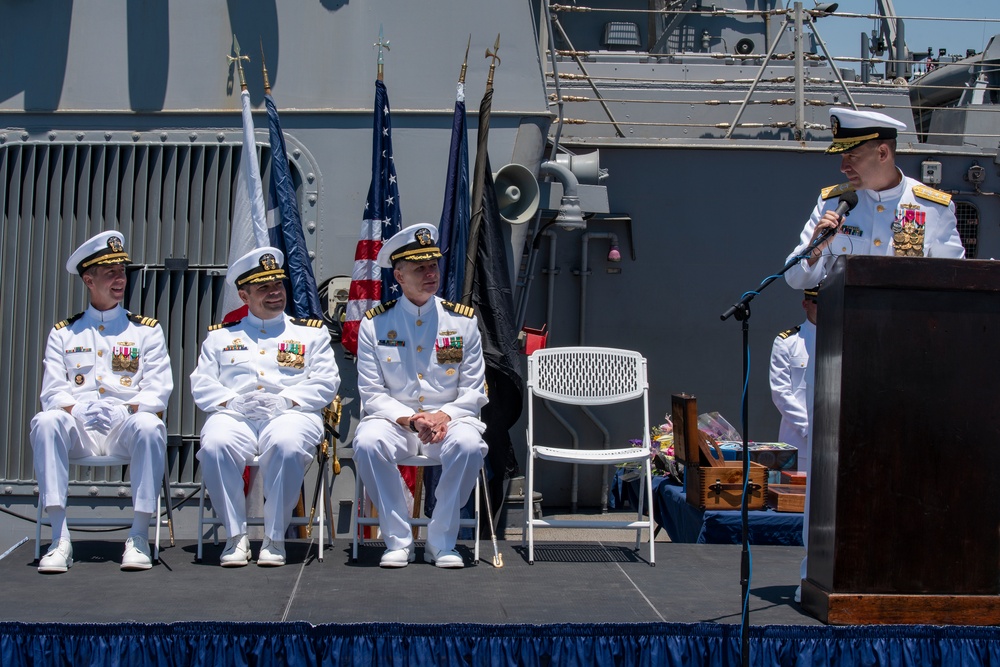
column 442, row 558
column 58, row 558
column 397, row 557
column 136, row 556
column 798, row 594
column 237, row 551
column 272, row 554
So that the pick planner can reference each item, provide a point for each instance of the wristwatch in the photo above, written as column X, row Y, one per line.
column 412, row 427
column 131, row 408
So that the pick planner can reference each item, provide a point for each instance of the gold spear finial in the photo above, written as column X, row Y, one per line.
column 496, row 59
column 237, row 59
column 381, row 43
column 263, row 66
column 465, row 63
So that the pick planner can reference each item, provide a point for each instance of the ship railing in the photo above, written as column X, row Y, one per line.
column 603, row 86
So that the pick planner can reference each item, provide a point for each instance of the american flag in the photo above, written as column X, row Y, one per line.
column 370, row 284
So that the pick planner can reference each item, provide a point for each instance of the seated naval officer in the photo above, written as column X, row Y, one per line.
column 895, row 214
column 421, row 383
column 106, row 376
column 788, row 376
column 264, row 382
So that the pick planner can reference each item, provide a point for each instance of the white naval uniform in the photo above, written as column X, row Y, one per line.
column 401, row 372
column 80, row 367
column 240, row 358
column 789, row 388
column 870, row 227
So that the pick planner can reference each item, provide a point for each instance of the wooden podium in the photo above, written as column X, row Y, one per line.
column 905, row 482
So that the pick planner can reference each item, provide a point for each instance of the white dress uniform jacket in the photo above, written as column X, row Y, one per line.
column 402, row 365
column 107, row 354
column 242, row 357
column 285, row 356
column 867, row 230
column 103, row 355
column 789, row 388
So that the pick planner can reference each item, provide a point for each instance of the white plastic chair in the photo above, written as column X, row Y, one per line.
column 358, row 521
column 106, row 522
column 588, row 376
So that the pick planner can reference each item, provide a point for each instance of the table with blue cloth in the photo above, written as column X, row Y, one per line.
column 687, row 523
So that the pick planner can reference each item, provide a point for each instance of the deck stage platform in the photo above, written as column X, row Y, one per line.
column 580, row 603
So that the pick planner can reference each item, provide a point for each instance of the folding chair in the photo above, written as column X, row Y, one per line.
column 587, row 376
column 359, row 521
column 104, row 522
column 331, row 420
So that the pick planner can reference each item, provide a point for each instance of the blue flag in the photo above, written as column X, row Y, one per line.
column 285, row 225
column 453, row 230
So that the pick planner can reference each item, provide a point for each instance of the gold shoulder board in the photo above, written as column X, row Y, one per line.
column 142, row 319
column 223, row 325
column 68, row 321
column 789, row 332
column 379, row 309
column 931, row 194
column 305, row 322
column 835, row 190
column 459, row 309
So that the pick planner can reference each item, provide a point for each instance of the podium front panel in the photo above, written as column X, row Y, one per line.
column 906, row 440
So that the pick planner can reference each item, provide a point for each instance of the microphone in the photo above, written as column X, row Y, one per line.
column 847, row 202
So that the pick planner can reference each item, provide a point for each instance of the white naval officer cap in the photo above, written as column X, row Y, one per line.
column 416, row 243
column 260, row 265
column 852, row 128
column 105, row 248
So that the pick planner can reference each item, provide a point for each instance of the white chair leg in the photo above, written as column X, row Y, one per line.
column 322, row 511
column 38, row 529
column 201, row 521
column 649, row 501
column 476, row 491
column 359, row 499
column 156, row 547
column 529, row 527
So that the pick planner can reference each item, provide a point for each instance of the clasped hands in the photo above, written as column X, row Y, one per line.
column 259, row 405
column 102, row 415
column 430, row 427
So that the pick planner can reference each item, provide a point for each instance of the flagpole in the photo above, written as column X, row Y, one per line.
column 263, row 67
column 479, row 178
column 465, row 63
column 238, row 60
column 381, row 43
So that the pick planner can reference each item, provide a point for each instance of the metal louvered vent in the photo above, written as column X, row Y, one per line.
column 968, row 227
column 173, row 202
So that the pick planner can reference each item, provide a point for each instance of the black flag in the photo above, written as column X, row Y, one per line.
column 488, row 290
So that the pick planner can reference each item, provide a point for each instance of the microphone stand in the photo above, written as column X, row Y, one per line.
column 741, row 310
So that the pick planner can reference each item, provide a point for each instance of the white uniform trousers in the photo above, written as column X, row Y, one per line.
column 56, row 435
column 285, row 444
column 379, row 443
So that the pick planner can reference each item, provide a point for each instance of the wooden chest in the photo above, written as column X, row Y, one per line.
column 720, row 487
column 787, row 497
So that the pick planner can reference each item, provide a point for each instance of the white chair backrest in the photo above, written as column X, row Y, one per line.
column 587, row 375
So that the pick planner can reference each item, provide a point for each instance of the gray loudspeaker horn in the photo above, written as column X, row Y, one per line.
column 586, row 167
column 517, row 193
